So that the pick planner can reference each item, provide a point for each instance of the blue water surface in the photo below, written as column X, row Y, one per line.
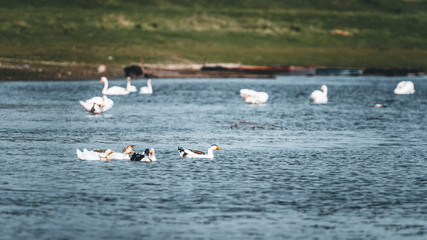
column 289, row 169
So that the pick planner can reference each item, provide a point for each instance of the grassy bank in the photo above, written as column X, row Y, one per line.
column 356, row 33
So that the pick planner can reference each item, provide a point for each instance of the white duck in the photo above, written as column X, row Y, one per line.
column 115, row 90
column 405, row 87
column 91, row 155
column 320, row 96
column 253, row 97
column 124, row 155
column 147, row 89
column 104, row 104
column 152, row 155
column 129, row 87
column 188, row 153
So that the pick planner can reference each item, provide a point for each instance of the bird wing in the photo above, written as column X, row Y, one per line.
column 197, row 151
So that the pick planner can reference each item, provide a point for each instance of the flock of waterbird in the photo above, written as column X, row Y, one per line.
column 108, row 154
column 98, row 105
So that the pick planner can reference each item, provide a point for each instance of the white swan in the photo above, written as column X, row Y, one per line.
column 405, row 87
column 112, row 90
column 124, row 155
column 148, row 89
column 129, row 87
column 104, row 103
column 92, row 108
column 253, row 97
column 188, row 153
column 320, row 96
column 91, row 155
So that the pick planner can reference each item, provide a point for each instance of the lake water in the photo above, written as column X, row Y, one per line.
column 289, row 169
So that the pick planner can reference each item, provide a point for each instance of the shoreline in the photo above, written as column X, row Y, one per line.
column 54, row 71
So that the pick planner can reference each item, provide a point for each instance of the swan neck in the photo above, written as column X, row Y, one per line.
column 105, row 86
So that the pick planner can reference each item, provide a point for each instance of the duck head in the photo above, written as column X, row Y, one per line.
column 128, row 149
column 215, row 147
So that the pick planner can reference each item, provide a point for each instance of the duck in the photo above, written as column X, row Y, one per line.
column 104, row 104
column 124, row 155
column 147, row 156
column 129, row 87
column 152, row 155
column 188, row 153
column 92, row 155
column 404, row 87
column 147, row 89
column 320, row 96
column 137, row 156
column 115, row 90
column 379, row 105
column 253, row 97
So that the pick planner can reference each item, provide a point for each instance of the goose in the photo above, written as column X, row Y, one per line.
column 112, row 90
column 124, row 155
column 147, row 89
column 129, row 87
column 404, row 87
column 104, row 104
column 253, row 97
column 143, row 157
column 188, row 153
column 92, row 155
column 320, row 96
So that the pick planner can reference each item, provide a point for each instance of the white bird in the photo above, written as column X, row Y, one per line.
column 115, row 90
column 253, row 97
column 404, row 87
column 92, row 108
column 152, row 155
column 104, row 103
column 124, row 155
column 320, row 96
column 188, row 153
column 147, row 89
column 129, row 87
column 91, row 155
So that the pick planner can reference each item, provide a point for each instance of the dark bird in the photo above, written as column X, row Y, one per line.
column 133, row 71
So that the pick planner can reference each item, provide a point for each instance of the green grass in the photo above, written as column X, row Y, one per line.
column 384, row 33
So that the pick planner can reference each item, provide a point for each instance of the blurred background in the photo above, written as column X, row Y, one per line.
column 353, row 33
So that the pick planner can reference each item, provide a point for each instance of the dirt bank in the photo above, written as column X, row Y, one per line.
column 27, row 70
